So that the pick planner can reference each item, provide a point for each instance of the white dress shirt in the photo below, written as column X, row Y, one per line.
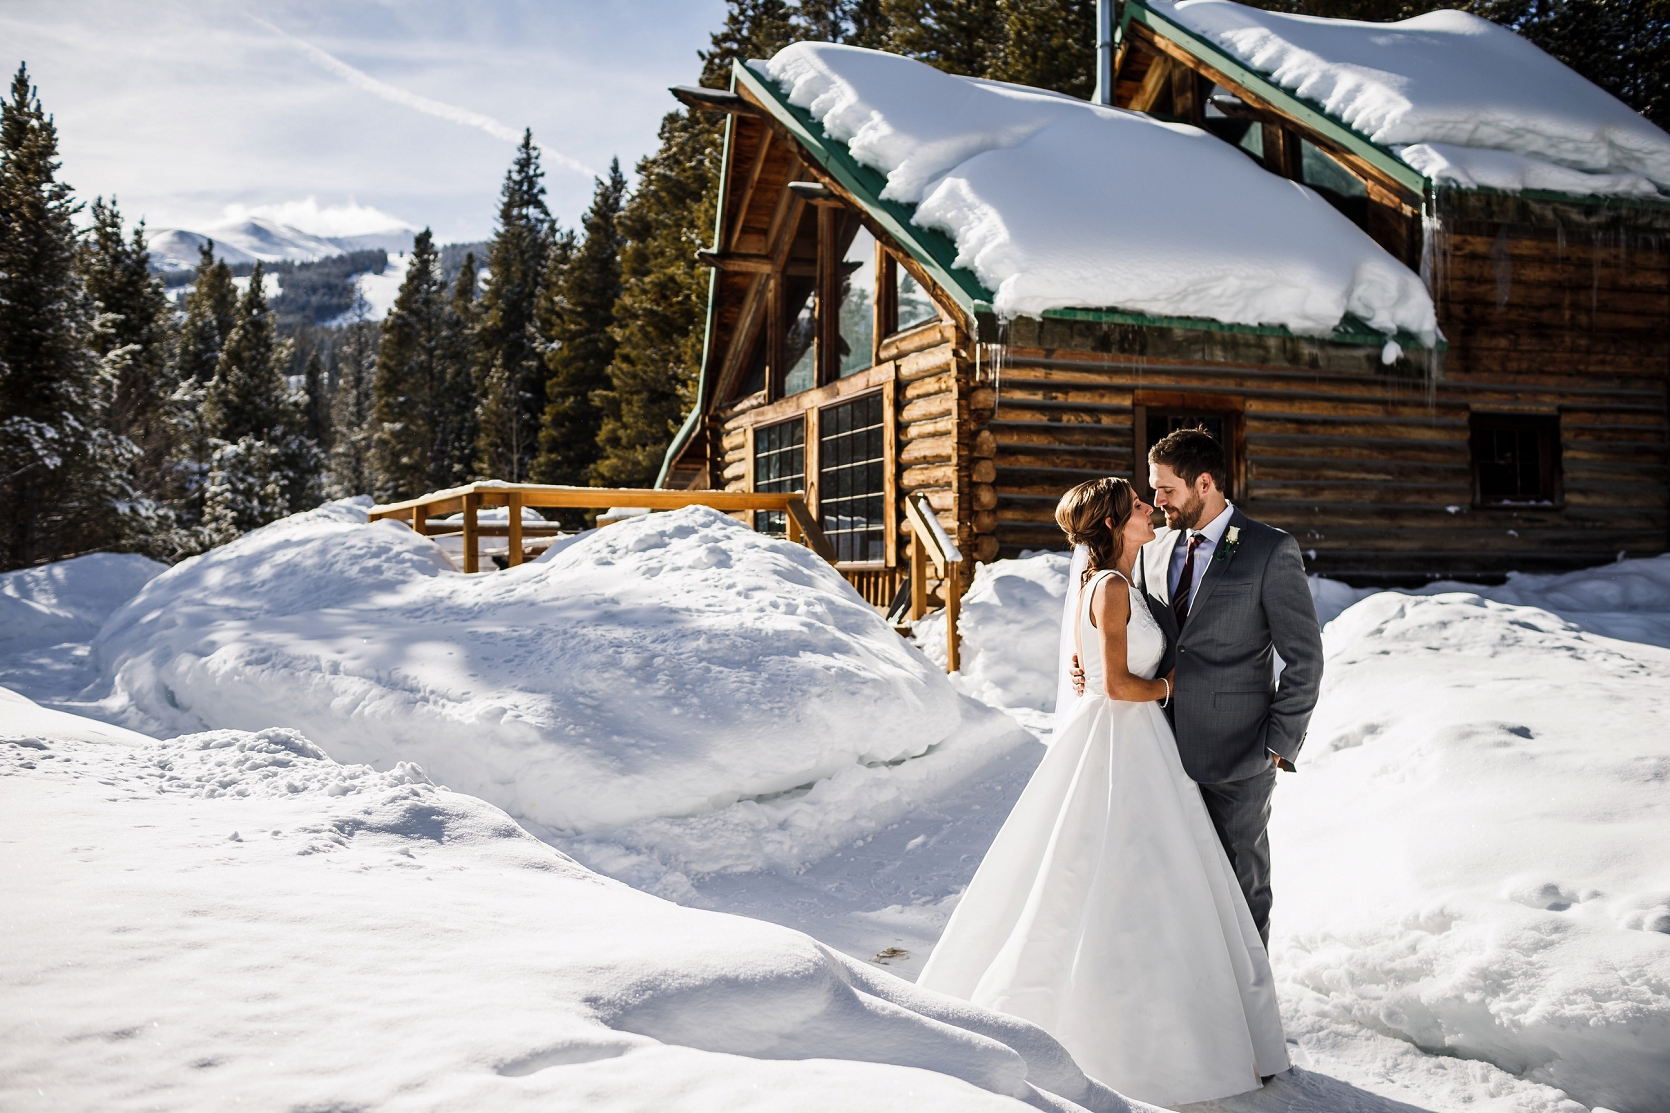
column 1210, row 534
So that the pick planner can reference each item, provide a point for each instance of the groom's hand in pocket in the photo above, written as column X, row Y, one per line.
column 1077, row 673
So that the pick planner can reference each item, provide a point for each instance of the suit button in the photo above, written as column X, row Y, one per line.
column 1182, row 649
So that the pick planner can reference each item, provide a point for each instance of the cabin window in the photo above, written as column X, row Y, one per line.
column 800, row 350
column 851, row 466
column 779, row 468
column 858, row 311
column 1516, row 458
column 915, row 306
column 1153, row 423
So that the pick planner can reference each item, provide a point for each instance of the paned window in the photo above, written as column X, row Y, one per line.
column 1516, row 458
column 851, row 466
column 779, row 468
column 1156, row 423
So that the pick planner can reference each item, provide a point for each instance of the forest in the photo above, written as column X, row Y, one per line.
column 131, row 421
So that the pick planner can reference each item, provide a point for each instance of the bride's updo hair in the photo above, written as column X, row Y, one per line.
column 1083, row 514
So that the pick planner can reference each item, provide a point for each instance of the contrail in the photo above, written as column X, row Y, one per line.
column 449, row 112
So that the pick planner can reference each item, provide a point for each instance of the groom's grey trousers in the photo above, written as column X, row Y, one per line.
column 1229, row 714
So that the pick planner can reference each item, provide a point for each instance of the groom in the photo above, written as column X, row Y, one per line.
column 1230, row 593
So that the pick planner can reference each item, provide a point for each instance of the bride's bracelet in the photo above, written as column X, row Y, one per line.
column 1167, row 701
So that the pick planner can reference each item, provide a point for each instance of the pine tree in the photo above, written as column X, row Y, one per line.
column 577, row 310
column 753, row 29
column 664, row 290
column 408, row 378
column 316, row 388
column 453, row 458
column 62, row 476
column 1048, row 44
column 247, row 394
column 210, row 309
column 509, row 368
column 957, row 36
column 353, row 427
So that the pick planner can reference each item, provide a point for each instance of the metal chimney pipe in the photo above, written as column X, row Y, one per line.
column 1104, row 53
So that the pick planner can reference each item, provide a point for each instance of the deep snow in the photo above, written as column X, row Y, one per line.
column 1435, row 85
column 231, row 918
column 1022, row 182
column 1470, row 911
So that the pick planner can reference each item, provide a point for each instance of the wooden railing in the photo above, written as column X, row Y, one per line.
column 930, row 542
column 424, row 513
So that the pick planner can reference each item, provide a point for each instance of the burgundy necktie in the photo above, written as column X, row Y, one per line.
column 1180, row 597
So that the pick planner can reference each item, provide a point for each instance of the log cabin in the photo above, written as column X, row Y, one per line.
column 859, row 349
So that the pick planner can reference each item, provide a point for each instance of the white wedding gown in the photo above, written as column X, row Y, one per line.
column 1106, row 911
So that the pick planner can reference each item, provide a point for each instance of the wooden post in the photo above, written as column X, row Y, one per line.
column 514, row 556
column 918, row 577
column 953, row 588
column 420, row 520
column 472, row 559
column 827, row 367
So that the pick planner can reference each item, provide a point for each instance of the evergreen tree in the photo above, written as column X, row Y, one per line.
column 62, row 476
column 509, row 367
column 753, row 29
column 353, row 428
column 246, row 489
column 247, row 394
column 957, row 36
column 577, row 310
column 316, row 388
column 131, row 335
column 1048, row 44
column 210, row 309
column 408, row 378
column 453, row 457
column 664, row 290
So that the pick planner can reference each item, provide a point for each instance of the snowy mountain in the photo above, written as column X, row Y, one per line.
column 245, row 241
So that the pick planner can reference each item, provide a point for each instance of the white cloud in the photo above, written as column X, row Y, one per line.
column 352, row 219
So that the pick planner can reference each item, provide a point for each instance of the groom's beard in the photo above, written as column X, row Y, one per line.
column 1186, row 516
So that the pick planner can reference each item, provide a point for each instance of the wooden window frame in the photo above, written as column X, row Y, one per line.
column 889, row 470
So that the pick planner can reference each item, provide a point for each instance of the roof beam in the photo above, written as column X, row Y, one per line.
column 712, row 100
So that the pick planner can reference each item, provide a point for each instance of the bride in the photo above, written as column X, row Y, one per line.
column 1106, row 911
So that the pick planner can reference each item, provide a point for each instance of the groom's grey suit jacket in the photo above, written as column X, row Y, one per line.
column 1254, row 601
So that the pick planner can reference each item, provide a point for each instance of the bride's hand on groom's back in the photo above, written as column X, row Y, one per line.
column 1078, row 676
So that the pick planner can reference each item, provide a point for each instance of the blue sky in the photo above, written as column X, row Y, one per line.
column 331, row 113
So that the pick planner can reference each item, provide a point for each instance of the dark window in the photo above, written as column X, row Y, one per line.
column 1157, row 422
column 1338, row 186
column 851, row 463
column 779, row 468
column 1516, row 458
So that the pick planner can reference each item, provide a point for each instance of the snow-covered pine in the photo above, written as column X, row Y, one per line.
column 408, row 379
column 64, row 478
column 508, row 359
column 452, row 460
column 576, row 314
column 352, row 424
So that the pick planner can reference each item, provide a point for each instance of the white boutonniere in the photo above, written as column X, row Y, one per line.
column 1232, row 538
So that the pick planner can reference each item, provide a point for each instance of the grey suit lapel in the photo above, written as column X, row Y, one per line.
column 1216, row 568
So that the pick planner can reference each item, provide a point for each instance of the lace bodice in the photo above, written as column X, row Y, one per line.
column 1145, row 643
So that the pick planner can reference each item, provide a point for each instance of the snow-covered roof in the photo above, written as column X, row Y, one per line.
column 1054, row 203
column 1460, row 99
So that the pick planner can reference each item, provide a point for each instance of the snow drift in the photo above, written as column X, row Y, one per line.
column 236, row 914
column 1435, row 85
column 665, row 667
column 1025, row 184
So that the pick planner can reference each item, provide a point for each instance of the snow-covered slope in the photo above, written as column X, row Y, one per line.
column 50, row 614
column 234, row 918
column 1032, row 186
column 677, row 682
column 245, row 241
column 1454, row 94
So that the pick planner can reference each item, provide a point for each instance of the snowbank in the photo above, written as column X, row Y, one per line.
column 1448, row 78
column 1020, row 180
column 1471, row 857
column 49, row 615
column 653, row 672
column 235, row 915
